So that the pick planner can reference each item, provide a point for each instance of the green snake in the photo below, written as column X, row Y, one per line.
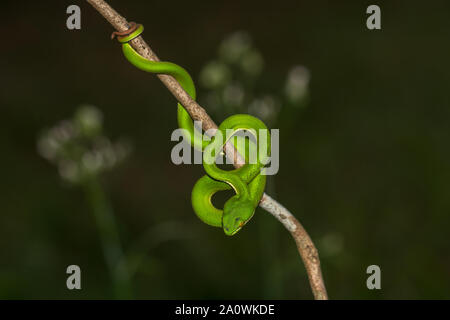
column 247, row 181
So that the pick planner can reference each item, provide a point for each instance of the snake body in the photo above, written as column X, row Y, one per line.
column 247, row 181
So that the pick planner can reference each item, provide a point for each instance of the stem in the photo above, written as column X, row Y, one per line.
column 305, row 246
column 109, row 237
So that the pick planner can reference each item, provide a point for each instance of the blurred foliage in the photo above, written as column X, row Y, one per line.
column 364, row 166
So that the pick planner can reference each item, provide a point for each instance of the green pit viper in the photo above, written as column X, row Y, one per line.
column 247, row 181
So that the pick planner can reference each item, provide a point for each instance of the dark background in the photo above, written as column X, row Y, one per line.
column 364, row 167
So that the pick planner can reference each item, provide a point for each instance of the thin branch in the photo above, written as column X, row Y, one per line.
column 305, row 246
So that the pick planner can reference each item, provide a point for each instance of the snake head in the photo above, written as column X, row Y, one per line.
column 236, row 213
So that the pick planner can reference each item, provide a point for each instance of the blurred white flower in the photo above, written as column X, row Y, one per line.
column 297, row 83
column 109, row 156
column 47, row 147
column 92, row 161
column 265, row 108
column 79, row 149
column 122, row 150
column 89, row 120
column 234, row 46
column 215, row 74
column 69, row 171
column 63, row 132
column 233, row 80
column 252, row 63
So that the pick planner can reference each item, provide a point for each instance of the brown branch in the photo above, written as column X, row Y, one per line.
column 305, row 246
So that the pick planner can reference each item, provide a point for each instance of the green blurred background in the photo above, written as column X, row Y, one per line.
column 364, row 165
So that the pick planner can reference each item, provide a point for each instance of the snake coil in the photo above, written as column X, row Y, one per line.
column 247, row 181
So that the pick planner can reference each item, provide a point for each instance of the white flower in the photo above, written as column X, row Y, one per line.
column 297, row 83
column 92, row 161
column 265, row 108
column 252, row 63
column 215, row 74
column 69, row 171
column 89, row 120
column 234, row 46
column 78, row 147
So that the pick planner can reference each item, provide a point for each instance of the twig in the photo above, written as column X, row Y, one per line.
column 305, row 246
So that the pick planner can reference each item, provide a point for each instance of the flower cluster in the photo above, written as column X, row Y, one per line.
column 79, row 148
column 232, row 80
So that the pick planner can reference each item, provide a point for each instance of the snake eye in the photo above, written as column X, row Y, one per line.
column 237, row 219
